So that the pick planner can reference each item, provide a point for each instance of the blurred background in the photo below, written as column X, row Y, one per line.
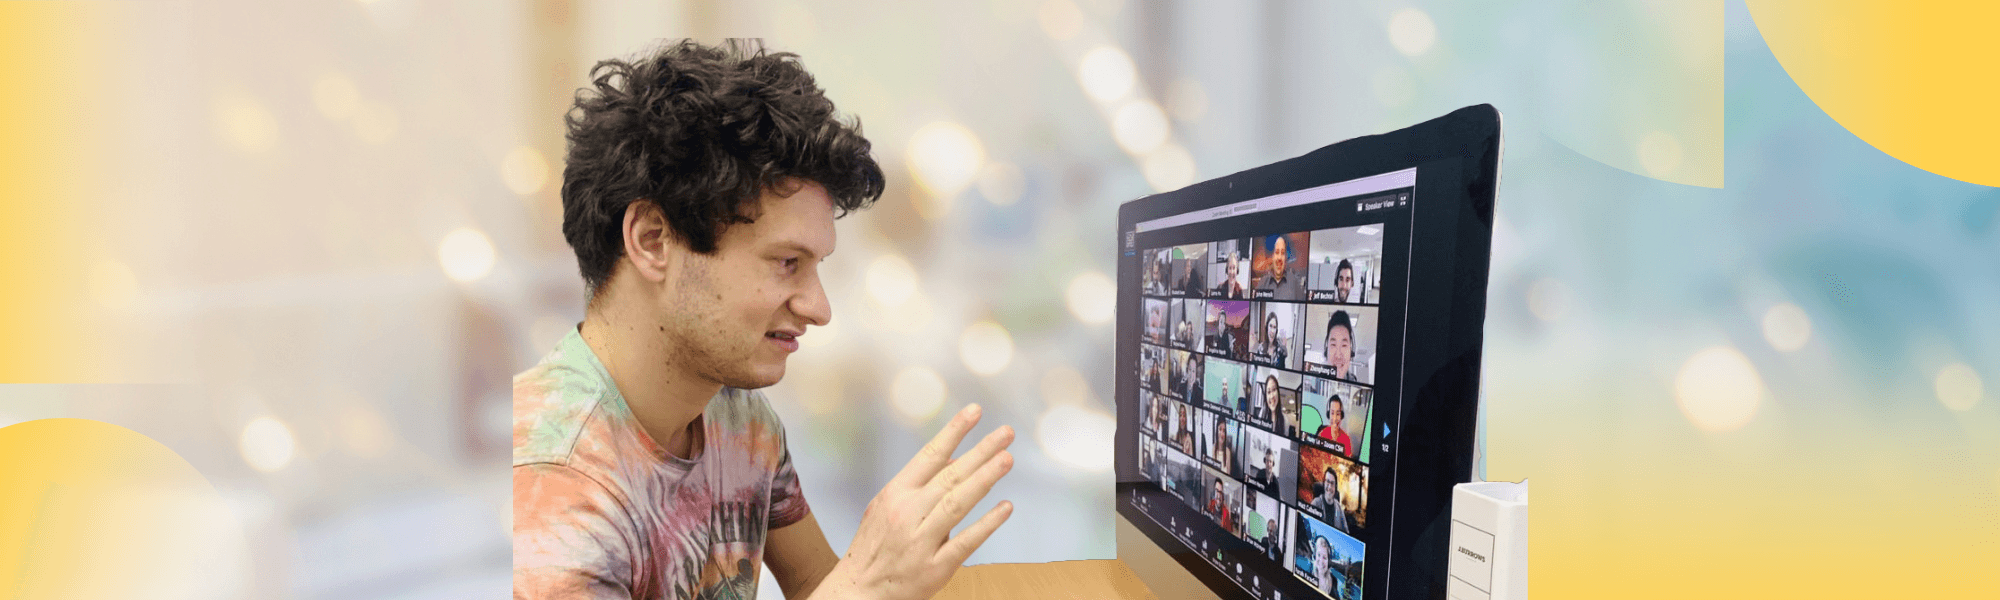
column 318, row 238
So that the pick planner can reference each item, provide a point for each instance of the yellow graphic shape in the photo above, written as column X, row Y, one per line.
column 51, row 105
column 1915, row 80
column 92, row 510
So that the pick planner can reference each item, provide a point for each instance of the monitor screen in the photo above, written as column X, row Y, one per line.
column 1263, row 411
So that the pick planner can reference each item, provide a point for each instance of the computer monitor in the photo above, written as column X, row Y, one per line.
column 1298, row 366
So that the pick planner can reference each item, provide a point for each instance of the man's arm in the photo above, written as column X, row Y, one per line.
column 799, row 557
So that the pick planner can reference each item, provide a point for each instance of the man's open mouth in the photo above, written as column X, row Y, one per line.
column 781, row 335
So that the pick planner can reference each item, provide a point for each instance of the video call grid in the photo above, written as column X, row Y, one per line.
column 1235, row 475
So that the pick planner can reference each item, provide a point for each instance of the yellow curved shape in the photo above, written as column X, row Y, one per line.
column 92, row 510
column 1917, row 80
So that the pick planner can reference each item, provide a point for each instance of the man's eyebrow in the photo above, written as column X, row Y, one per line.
column 802, row 249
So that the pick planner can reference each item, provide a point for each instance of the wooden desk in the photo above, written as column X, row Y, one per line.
column 1085, row 579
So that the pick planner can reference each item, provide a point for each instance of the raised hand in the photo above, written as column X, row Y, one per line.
column 904, row 548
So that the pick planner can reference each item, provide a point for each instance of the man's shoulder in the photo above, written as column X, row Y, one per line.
column 554, row 403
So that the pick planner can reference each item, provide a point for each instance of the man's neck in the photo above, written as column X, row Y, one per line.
column 664, row 399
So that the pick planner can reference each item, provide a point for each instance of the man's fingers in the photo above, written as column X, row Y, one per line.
column 956, row 550
column 959, row 500
column 937, row 452
column 956, row 472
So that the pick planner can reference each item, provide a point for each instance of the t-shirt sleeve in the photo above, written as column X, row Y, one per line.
column 788, row 503
column 572, row 538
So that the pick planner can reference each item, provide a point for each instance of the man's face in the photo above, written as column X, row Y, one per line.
column 1339, row 348
column 1339, row 413
column 1279, row 252
column 734, row 316
column 1344, row 281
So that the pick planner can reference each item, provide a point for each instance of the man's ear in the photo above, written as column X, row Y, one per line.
column 649, row 244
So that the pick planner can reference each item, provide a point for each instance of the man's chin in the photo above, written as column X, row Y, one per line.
column 756, row 377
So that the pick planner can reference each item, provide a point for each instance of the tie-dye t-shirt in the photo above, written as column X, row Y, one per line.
column 602, row 511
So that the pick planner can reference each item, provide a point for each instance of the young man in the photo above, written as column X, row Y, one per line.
column 700, row 194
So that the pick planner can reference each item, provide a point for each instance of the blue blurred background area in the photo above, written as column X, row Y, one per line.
column 337, row 230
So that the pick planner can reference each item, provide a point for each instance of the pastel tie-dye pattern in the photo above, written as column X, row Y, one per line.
column 601, row 511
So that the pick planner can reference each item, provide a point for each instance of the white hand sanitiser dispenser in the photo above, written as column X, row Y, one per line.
column 1489, row 541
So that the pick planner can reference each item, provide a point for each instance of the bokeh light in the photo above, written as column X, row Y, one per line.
column 985, row 347
column 945, row 157
column 1549, row 298
column 1959, row 387
column 1169, row 168
column 1787, row 327
column 1412, row 32
column 1107, row 74
column 524, row 170
column 245, row 123
column 1092, row 297
column 917, row 393
column 1076, row 437
column 891, row 281
column 1139, row 127
column 1718, row 389
column 466, row 254
column 267, row 444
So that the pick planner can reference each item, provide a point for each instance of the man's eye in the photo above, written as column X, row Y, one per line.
column 789, row 264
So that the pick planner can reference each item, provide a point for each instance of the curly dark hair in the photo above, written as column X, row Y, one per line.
column 701, row 132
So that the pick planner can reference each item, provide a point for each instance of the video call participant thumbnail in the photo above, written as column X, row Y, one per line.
column 1229, row 269
column 1276, row 342
column 645, row 463
column 1154, row 280
column 1224, row 386
column 1184, row 375
column 1327, row 558
column 1156, row 321
column 1228, row 327
column 1276, row 400
column 1225, row 502
column 1343, row 267
column 1220, row 442
column 1182, row 478
column 1338, row 415
column 1271, row 462
column 1184, row 427
column 1266, row 525
column 1279, row 262
column 1342, row 345
column 1153, row 368
column 1189, row 266
column 1332, row 488
column 1185, row 315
